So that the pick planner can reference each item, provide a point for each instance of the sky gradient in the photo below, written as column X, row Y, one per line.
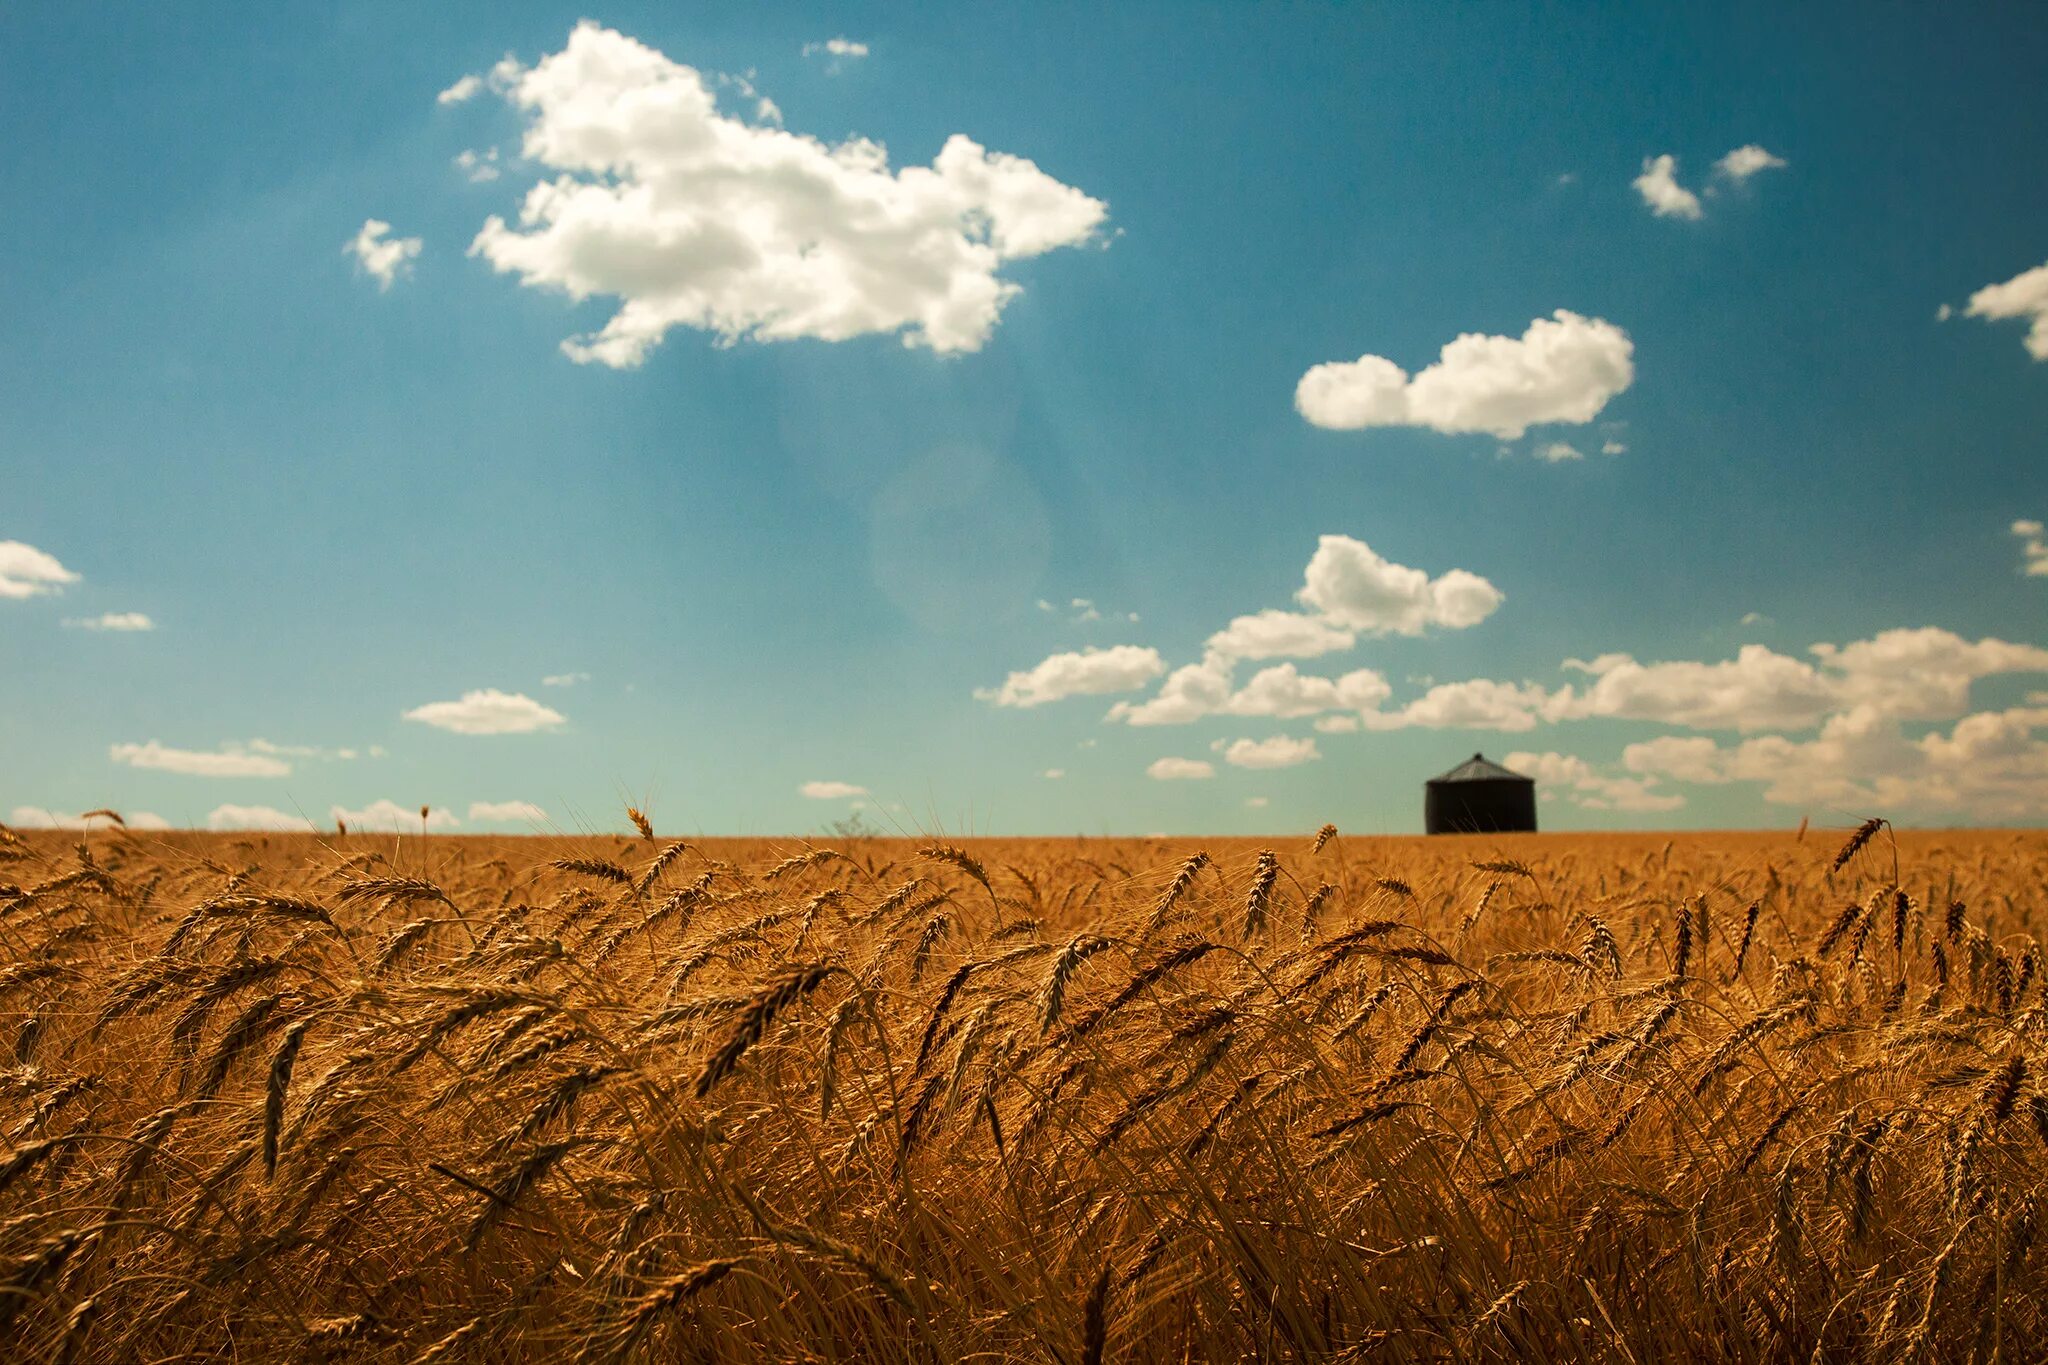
column 1241, row 414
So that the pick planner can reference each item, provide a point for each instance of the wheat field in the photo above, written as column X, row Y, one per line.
column 1711, row 1097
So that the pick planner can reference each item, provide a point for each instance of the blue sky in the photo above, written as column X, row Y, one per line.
column 818, row 506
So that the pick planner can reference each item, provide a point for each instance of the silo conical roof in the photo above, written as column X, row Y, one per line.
column 1480, row 768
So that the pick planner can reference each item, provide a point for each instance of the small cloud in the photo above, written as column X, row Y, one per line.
column 1556, row 452
column 507, row 812
column 112, row 620
column 479, row 167
column 2033, row 548
column 388, row 817
column 1755, row 618
column 830, row 791
column 267, row 818
column 488, row 712
column 840, row 49
column 1281, row 751
column 38, row 817
column 1744, row 162
column 224, row 762
column 1055, row 774
column 768, row 111
column 1256, row 802
column 1091, row 672
column 2025, row 295
column 564, row 679
column 26, row 571
column 1339, row 724
column 1563, row 368
column 1180, row 770
column 383, row 258
column 1944, row 313
column 1567, row 178
column 463, row 89
column 1613, row 448
column 1658, row 184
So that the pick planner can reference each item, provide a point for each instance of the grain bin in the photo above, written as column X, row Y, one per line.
column 1479, row 797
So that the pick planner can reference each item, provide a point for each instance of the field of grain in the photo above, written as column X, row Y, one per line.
column 1714, row 1097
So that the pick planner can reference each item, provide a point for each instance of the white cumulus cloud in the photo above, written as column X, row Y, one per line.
column 507, row 812
column 692, row 218
column 112, row 620
column 1658, row 184
column 228, row 761
column 383, row 258
column 2025, row 295
column 1474, row 704
column 26, row 571
column 230, row 816
column 1988, row 765
column 488, row 712
column 1273, row 634
column 1180, row 770
column 1587, row 786
column 388, row 817
column 1355, row 587
column 1745, row 161
column 1280, row 751
column 463, row 89
column 830, row 791
column 38, row 817
column 1090, row 672
column 1563, row 368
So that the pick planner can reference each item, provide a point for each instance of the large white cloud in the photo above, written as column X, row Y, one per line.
column 1474, row 704
column 1906, row 674
column 229, row 816
column 1280, row 691
column 26, row 571
column 1275, row 634
column 1279, row 751
column 1563, row 368
column 694, row 218
column 1988, row 765
column 1090, row 672
column 38, row 817
column 388, row 817
column 507, row 812
column 1759, row 689
column 1658, row 184
column 1584, row 785
column 2025, row 295
column 224, row 762
column 488, row 712
column 383, row 258
column 1354, row 587
column 1350, row 590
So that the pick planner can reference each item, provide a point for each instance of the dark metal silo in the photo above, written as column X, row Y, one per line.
column 1479, row 797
